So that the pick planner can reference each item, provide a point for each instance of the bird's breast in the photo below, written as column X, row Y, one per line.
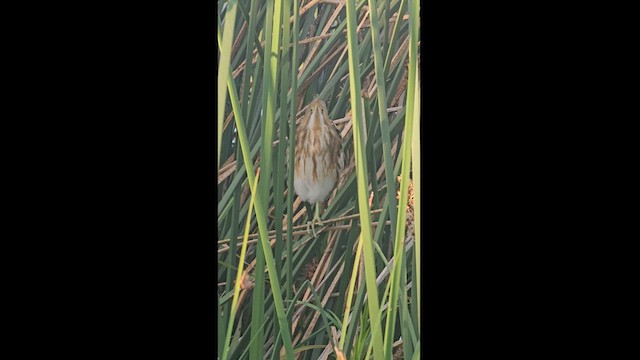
column 315, row 172
column 315, row 177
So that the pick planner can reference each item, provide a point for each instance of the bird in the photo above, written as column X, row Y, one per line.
column 319, row 158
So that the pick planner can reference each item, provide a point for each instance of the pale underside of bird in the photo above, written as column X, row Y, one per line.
column 319, row 158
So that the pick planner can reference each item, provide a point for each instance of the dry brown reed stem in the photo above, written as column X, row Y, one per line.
column 311, row 3
column 336, row 340
column 239, row 38
column 401, row 92
column 225, row 247
column 401, row 50
column 225, row 172
column 303, row 226
column 254, row 59
column 228, row 119
column 316, row 315
column 338, row 63
column 409, row 241
column 383, row 275
column 230, row 161
column 253, row 263
column 303, row 87
column 246, row 285
column 316, row 46
column 319, row 276
column 304, row 9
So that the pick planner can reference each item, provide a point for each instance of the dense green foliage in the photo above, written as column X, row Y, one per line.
column 354, row 290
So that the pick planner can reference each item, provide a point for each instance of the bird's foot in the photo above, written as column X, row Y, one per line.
column 311, row 226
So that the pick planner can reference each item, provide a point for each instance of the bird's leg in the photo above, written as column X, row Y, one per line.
column 309, row 222
column 316, row 219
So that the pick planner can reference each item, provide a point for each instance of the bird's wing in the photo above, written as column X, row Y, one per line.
column 341, row 160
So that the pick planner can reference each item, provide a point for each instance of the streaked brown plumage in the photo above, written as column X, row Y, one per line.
column 319, row 158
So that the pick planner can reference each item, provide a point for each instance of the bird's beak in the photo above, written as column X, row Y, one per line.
column 315, row 111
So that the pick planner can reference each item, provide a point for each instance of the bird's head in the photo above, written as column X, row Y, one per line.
column 317, row 111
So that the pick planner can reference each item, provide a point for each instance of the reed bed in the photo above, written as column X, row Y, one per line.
column 352, row 292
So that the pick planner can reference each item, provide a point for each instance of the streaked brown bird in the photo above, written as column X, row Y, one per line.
column 319, row 158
